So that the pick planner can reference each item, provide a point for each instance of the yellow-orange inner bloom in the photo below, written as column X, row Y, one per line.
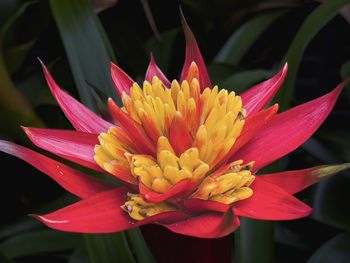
column 214, row 120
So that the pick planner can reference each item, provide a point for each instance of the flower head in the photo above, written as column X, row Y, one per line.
column 187, row 152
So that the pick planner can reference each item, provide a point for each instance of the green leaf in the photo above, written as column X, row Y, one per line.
column 244, row 37
column 138, row 244
column 310, row 27
column 41, row 241
column 80, row 255
column 4, row 259
column 19, row 226
column 336, row 249
column 108, row 248
column 11, row 100
column 243, row 80
column 254, row 240
column 162, row 48
column 220, row 71
column 337, row 142
column 331, row 205
column 85, row 44
column 15, row 55
column 345, row 74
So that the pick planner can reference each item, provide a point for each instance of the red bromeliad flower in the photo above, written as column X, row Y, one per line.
column 186, row 151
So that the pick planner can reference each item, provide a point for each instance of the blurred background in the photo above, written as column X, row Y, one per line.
column 242, row 42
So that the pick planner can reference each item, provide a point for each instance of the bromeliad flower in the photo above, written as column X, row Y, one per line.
column 186, row 151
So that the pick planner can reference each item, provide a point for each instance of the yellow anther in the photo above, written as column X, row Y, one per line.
column 136, row 92
column 185, row 87
column 163, row 144
column 175, row 88
column 174, row 175
column 160, row 185
column 195, row 90
column 181, row 103
column 129, row 106
column 200, row 171
column 193, row 72
column 139, row 209
column 243, row 193
column 215, row 119
column 166, row 158
column 230, row 186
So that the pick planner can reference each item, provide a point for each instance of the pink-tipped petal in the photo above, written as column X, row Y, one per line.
column 154, row 70
column 101, row 213
column 296, row 181
column 70, row 179
column 212, row 225
column 199, row 205
column 269, row 202
column 122, row 81
column 193, row 54
column 72, row 145
column 82, row 118
column 135, row 132
column 258, row 96
column 178, row 190
column 288, row 130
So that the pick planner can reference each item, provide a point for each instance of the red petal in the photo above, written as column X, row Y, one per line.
column 269, row 202
column 154, row 70
column 70, row 179
column 176, row 191
column 288, row 130
column 74, row 146
column 180, row 136
column 193, row 54
column 213, row 225
column 134, row 130
column 253, row 124
column 295, row 181
column 82, row 118
column 101, row 213
column 258, row 96
column 198, row 205
column 122, row 82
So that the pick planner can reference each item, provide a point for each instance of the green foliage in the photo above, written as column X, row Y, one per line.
column 86, row 46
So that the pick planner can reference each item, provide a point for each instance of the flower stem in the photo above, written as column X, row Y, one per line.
column 254, row 241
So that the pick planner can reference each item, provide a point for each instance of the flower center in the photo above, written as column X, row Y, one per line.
column 192, row 131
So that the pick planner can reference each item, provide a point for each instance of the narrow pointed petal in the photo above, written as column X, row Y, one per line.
column 182, row 188
column 180, row 137
column 258, row 96
column 74, row 146
column 154, row 70
column 135, row 131
column 82, row 118
column 193, row 54
column 213, row 225
column 296, row 181
column 70, row 179
column 198, row 205
column 269, row 202
column 253, row 124
column 101, row 213
column 288, row 130
column 122, row 81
